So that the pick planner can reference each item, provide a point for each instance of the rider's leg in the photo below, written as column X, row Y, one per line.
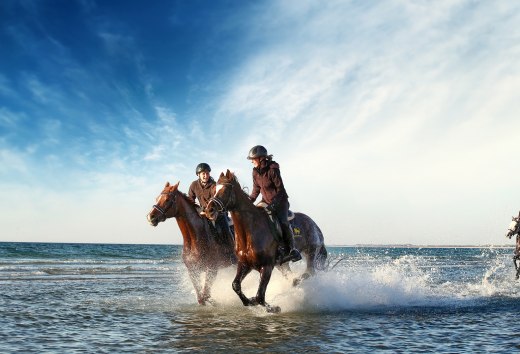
column 287, row 234
column 289, row 242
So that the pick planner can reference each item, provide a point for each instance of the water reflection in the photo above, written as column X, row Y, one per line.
column 247, row 329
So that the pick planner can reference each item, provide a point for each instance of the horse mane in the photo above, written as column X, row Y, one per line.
column 232, row 180
column 186, row 197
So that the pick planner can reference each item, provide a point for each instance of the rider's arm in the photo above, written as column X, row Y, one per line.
column 256, row 189
column 191, row 192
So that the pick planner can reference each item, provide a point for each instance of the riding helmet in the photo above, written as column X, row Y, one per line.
column 202, row 167
column 257, row 151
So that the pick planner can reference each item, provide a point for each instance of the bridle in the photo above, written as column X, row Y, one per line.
column 168, row 205
column 221, row 206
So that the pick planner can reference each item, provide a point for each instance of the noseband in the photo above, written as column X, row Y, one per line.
column 221, row 206
column 164, row 210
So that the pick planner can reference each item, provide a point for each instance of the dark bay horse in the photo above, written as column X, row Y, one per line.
column 202, row 252
column 256, row 240
column 308, row 239
column 514, row 229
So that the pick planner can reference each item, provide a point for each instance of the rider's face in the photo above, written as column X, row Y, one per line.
column 204, row 176
column 256, row 162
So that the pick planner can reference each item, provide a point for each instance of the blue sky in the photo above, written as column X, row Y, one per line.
column 393, row 122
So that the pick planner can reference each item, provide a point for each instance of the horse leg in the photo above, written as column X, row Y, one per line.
column 285, row 269
column 242, row 271
column 516, row 256
column 310, row 267
column 195, row 280
column 265, row 277
column 517, row 268
column 211, row 274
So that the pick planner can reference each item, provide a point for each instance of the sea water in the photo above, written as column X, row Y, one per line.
column 68, row 298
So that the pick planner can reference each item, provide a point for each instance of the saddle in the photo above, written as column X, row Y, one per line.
column 276, row 224
column 282, row 254
column 290, row 214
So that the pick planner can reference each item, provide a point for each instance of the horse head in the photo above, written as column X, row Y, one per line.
column 224, row 198
column 165, row 206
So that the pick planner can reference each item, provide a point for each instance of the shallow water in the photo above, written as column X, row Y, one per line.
column 134, row 298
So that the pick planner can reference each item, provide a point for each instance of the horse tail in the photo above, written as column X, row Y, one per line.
column 321, row 258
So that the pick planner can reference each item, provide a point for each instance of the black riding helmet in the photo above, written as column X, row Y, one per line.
column 257, row 151
column 202, row 167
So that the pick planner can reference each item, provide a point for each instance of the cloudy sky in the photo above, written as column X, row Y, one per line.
column 393, row 121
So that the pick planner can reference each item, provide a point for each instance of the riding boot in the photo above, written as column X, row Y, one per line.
column 288, row 238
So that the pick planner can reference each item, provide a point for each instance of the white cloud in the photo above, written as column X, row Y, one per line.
column 10, row 119
column 396, row 110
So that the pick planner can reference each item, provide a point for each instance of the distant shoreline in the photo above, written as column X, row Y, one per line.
column 360, row 245
column 425, row 246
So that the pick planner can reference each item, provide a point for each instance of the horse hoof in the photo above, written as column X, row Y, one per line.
column 296, row 281
column 253, row 301
column 273, row 309
column 206, row 300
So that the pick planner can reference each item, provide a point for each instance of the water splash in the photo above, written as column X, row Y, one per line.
column 376, row 284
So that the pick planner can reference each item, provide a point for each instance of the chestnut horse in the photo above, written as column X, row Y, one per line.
column 514, row 229
column 256, row 241
column 201, row 252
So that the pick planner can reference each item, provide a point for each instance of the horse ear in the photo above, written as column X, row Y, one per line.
column 167, row 184
column 227, row 173
column 221, row 174
column 176, row 185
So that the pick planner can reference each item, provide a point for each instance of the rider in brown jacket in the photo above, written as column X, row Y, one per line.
column 267, row 180
column 203, row 189
column 204, row 186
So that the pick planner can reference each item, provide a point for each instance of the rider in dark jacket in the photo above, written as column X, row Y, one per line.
column 267, row 181
column 203, row 189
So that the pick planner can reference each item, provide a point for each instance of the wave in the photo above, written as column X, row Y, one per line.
column 28, row 272
column 5, row 262
column 43, row 251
